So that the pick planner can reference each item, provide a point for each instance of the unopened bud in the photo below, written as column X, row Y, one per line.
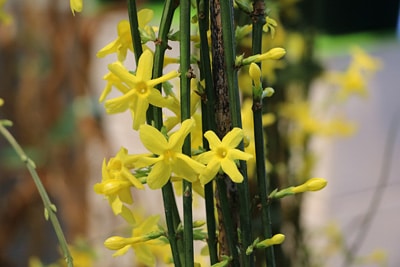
column 115, row 242
column 313, row 184
column 255, row 74
column 275, row 240
column 274, row 53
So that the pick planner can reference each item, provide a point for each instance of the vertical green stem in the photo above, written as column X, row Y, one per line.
column 49, row 207
column 155, row 116
column 186, row 75
column 134, row 23
column 162, row 45
column 173, row 221
column 208, row 122
column 258, row 18
column 227, row 219
column 234, row 100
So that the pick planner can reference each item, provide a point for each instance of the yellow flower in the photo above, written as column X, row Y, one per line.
column 138, row 90
column 364, row 61
column 1, row 102
column 169, row 158
column 123, row 42
column 143, row 234
column 117, row 181
column 223, row 155
column 76, row 5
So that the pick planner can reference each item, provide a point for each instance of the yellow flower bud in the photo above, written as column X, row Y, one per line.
column 198, row 223
column 76, row 5
column 113, row 186
column 313, row 184
column 275, row 240
column 274, row 53
column 268, row 92
column 115, row 242
column 1, row 102
column 255, row 74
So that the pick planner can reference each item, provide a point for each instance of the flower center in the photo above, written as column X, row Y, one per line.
column 221, row 152
column 115, row 164
column 142, row 88
column 169, row 156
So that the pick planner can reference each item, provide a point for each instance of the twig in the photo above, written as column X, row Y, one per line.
column 48, row 206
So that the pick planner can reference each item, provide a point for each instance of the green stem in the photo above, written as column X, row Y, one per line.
column 234, row 100
column 161, row 46
column 134, row 23
column 258, row 17
column 227, row 219
column 155, row 116
column 49, row 207
column 208, row 121
column 173, row 221
column 185, row 114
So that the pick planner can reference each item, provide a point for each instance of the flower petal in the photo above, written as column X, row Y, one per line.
column 144, row 16
column 108, row 49
column 129, row 176
column 164, row 78
column 159, row 175
column 139, row 115
column 176, row 139
column 213, row 139
column 147, row 161
column 125, row 195
column 144, row 255
column 119, row 104
column 116, row 204
column 127, row 215
column 210, row 172
column 120, row 71
column 121, row 251
column 230, row 168
column 233, row 138
column 76, row 5
column 149, row 224
column 238, row 154
column 156, row 99
column 206, row 157
column 186, row 167
column 152, row 139
column 145, row 66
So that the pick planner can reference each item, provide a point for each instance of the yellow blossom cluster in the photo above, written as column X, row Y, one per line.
column 165, row 161
column 354, row 79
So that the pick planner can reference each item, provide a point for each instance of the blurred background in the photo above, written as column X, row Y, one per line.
column 51, row 80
